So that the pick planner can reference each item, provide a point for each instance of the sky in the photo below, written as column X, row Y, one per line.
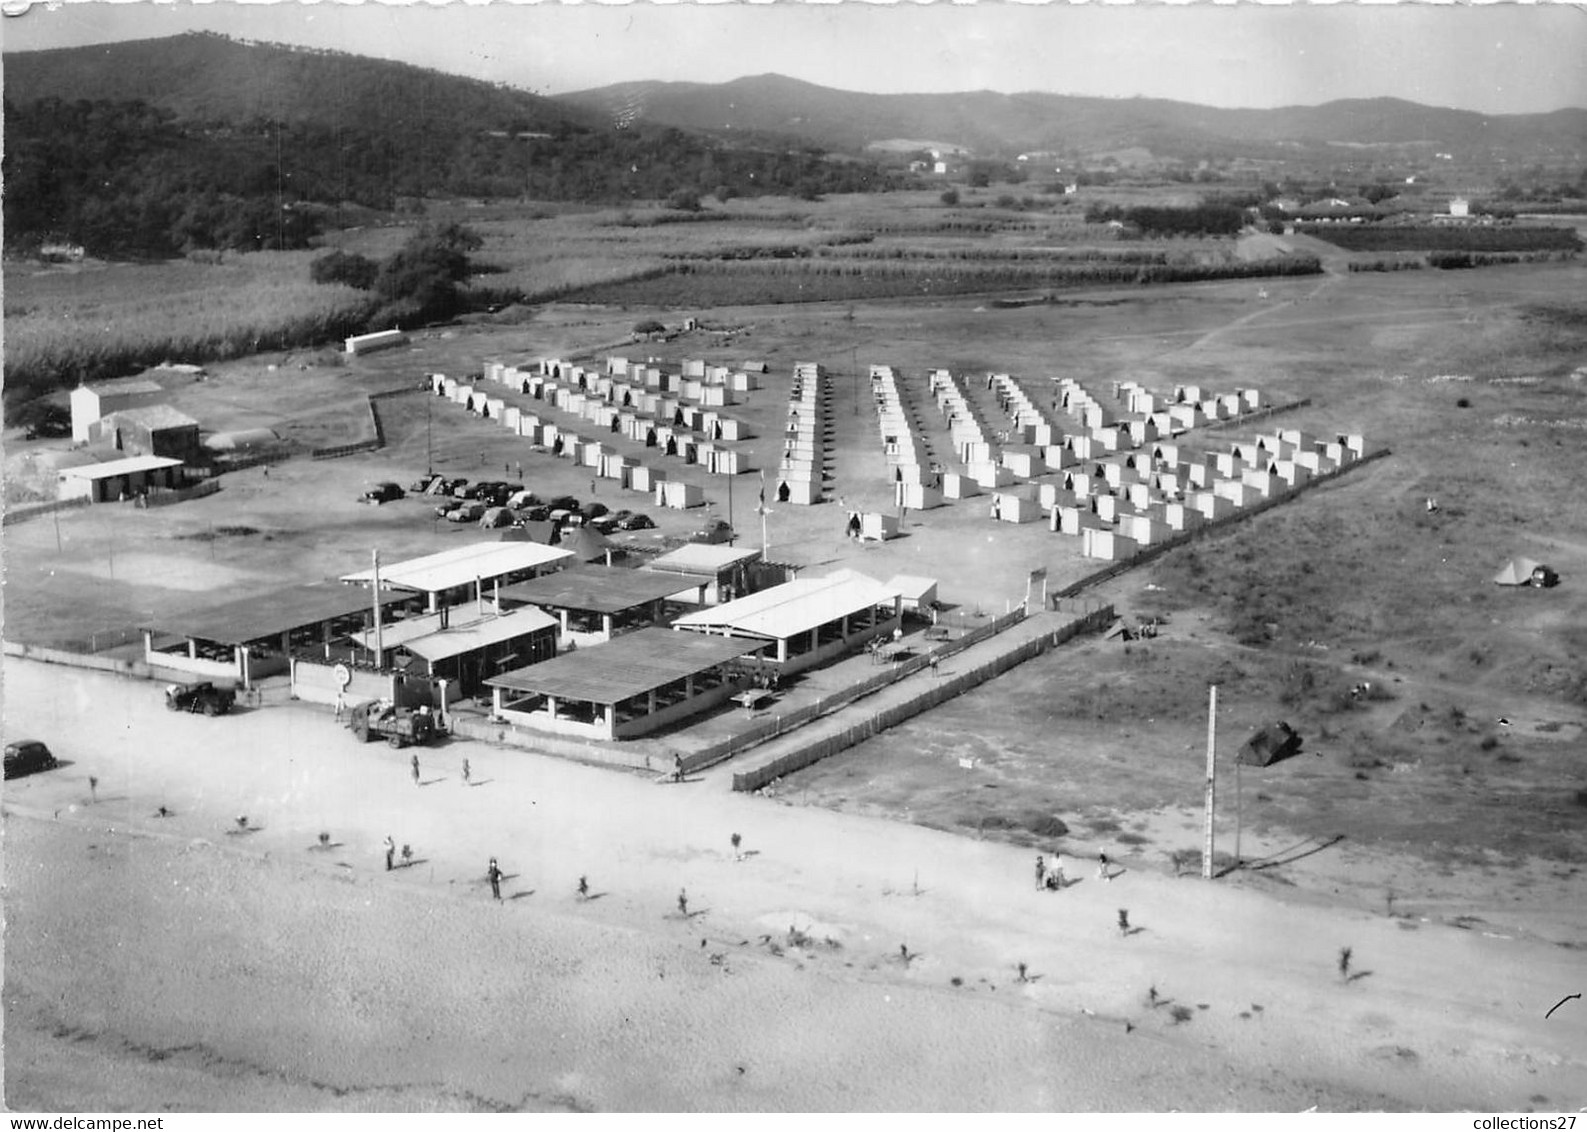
column 1497, row 58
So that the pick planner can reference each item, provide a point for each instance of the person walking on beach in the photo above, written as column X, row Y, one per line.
column 1055, row 872
column 493, row 874
column 683, row 903
column 465, row 772
column 737, row 853
column 677, row 768
column 391, row 853
column 414, row 764
column 1102, row 867
column 584, row 888
column 1041, row 872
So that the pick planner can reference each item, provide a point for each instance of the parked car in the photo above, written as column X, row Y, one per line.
column 24, row 756
column 637, row 523
column 460, row 488
column 496, row 517
column 444, row 510
column 564, row 503
column 521, row 499
column 422, row 484
column 382, row 493
column 717, row 530
column 466, row 512
column 445, row 486
column 200, row 696
column 595, row 511
column 537, row 514
column 606, row 524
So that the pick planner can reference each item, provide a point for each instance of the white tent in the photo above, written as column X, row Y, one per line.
column 1517, row 572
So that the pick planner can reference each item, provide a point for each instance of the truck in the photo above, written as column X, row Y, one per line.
column 199, row 696
column 399, row 727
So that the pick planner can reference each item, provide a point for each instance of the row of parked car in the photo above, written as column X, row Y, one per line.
column 496, row 503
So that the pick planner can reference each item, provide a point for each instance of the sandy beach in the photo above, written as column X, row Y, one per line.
column 179, row 963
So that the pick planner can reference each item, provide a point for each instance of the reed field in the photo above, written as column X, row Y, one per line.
column 95, row 322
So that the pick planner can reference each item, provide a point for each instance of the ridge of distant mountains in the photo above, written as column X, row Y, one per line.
column 204, row 77
column 990, row 123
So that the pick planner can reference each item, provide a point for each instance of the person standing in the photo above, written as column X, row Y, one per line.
column 1055, row 870
column 1102, row 867
column 493, row 874
column 737, row 853
column 1041, row 872
column 683, row 903
column 414, row 764
column 391, row 853
column 465, row 772
column 677, row 768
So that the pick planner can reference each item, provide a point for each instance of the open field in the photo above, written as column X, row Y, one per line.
column 1410, row 806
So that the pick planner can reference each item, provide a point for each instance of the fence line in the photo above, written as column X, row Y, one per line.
column 34, row 511
column 937, row 692
column 1260, row 414
column 782, row 724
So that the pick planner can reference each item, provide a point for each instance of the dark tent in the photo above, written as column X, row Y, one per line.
column 1270, row 744
column 543, row 532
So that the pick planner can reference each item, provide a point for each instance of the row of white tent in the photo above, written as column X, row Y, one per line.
column 801, row 469
column 602, row 459
column 693, row 373
column 917, row 480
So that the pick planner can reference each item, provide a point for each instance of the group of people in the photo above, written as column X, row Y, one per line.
column 1050, row 872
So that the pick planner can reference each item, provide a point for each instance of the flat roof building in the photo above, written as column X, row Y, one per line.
column 724, row 569
column 466, row 573
column 461, row 649
column 594, row 603
column 247, row 638
column 118, row 479
column 630, row 686
column 807, row 621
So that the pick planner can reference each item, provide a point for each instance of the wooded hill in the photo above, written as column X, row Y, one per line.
column 157, row 146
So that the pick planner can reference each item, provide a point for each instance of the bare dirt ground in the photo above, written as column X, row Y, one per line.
column 213, row 969
column 1416, row 826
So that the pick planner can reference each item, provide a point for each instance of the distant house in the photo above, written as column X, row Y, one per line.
column 1459, row 206
column 91, row 404
column 153, row 430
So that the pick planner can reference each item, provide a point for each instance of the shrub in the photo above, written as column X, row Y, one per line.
column 343, row 267
column 950, row 197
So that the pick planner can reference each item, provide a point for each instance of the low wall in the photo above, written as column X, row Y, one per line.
column 930, row 696
column 471, row 727
column 315, row 683
column 45, row 655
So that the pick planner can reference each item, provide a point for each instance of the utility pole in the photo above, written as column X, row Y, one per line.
column 1212, row 776
column 379, row 637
